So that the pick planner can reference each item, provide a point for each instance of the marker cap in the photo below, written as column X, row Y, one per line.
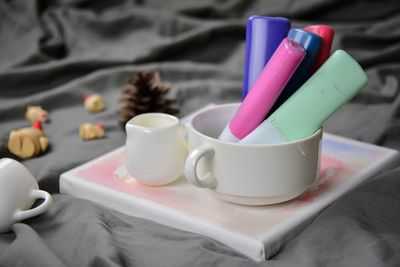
column 311, row 43
column 327, row 34
column 334, row 84
column 263, row 36
column 267, row 88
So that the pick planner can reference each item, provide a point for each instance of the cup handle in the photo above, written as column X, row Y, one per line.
column 21, row 215
column 208, row 181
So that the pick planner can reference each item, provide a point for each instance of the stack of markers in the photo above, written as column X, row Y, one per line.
column 292, row 84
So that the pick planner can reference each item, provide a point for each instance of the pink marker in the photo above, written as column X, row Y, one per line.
column 265, row 91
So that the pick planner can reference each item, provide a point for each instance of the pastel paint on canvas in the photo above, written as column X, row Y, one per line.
column 199, row 203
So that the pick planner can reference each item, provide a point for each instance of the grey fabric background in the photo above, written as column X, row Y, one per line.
column 54, row 52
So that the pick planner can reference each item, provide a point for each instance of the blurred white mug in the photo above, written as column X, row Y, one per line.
column 18, row 192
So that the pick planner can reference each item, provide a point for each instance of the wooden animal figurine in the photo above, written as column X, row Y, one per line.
column 88, row 131
column 36, row 113
column 28, row 142
column 94, row 103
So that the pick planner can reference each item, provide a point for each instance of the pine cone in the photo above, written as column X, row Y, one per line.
column 144, row 93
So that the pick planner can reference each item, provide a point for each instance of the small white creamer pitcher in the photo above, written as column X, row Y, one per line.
column 155, row 150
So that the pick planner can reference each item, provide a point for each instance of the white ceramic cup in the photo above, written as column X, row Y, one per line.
column 155, row 150
column 248, row 174
column 18, row 192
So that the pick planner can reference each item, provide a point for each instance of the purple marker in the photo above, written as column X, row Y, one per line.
column 265, row 91
column 263, row 36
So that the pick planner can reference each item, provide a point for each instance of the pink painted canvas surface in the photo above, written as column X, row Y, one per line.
column 343, row 165
column 257, row 232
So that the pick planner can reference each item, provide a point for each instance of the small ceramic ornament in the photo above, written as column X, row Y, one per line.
column 88, row 131
column 36, row 113
column 28, row 142
column 94, row 103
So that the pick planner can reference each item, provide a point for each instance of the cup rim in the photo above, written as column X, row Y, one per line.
column 149, row 114
column 4, row 161
column 289, row 143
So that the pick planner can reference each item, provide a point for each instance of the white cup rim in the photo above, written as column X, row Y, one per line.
column 4, row 161
column 174, row 121
column 289, row 143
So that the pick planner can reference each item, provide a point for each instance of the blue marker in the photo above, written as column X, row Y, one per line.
column 311, row 43
column 263, row 36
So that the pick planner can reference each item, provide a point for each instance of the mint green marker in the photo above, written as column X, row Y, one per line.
column 334, row 84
